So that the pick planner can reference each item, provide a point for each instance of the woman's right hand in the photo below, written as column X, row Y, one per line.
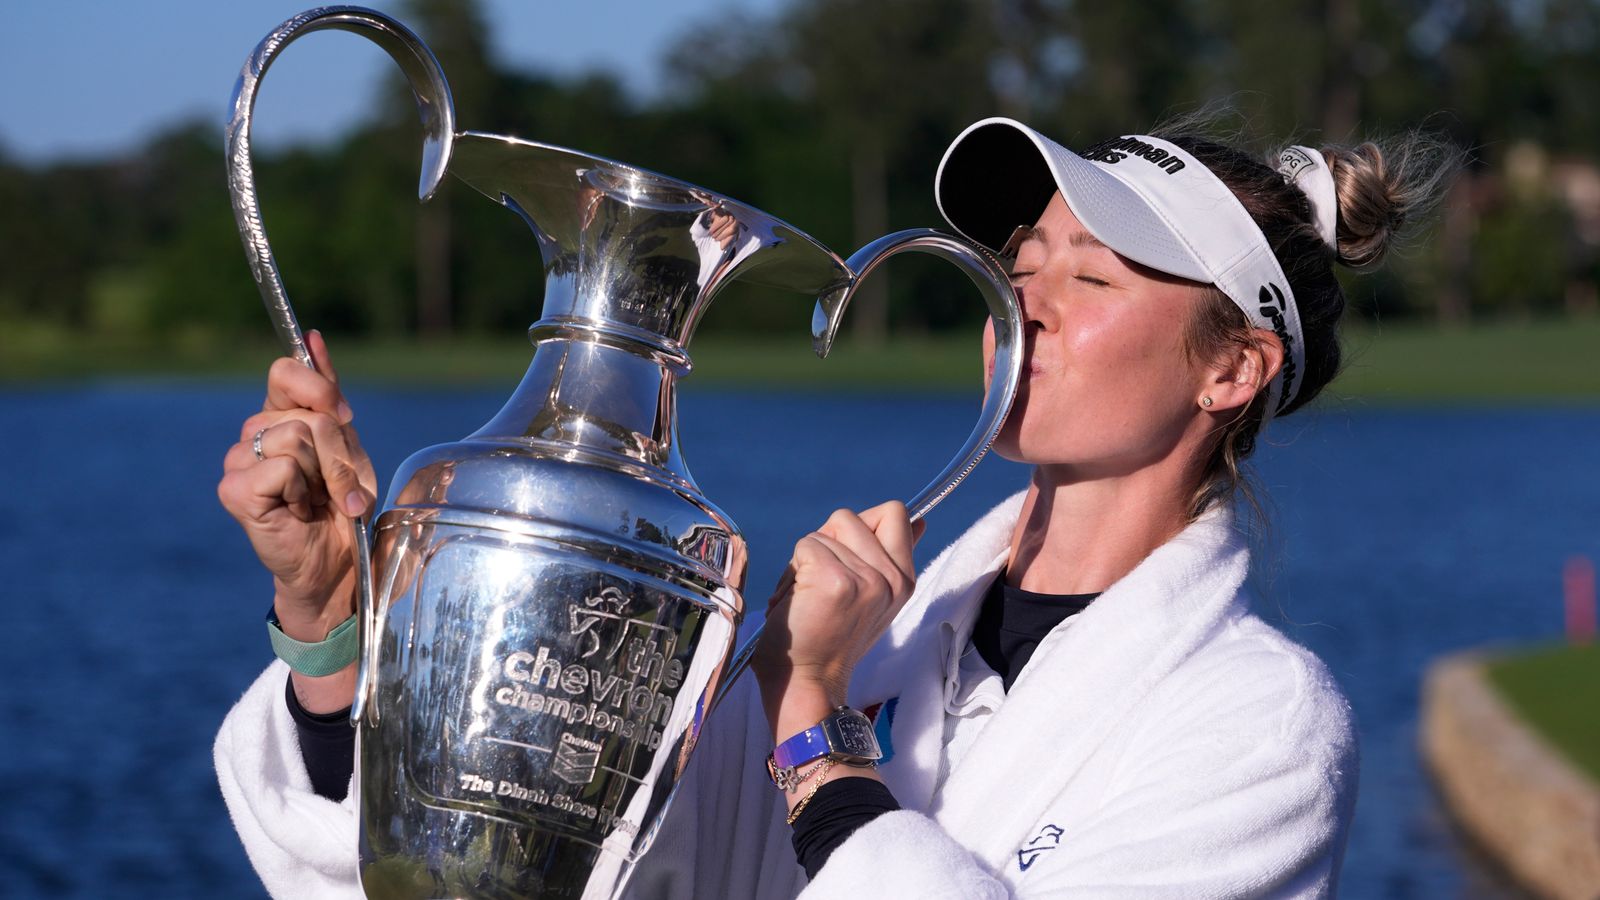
column 296, row 502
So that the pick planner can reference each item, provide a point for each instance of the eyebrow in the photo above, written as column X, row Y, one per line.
column 1085, row 239
column 1026, row 233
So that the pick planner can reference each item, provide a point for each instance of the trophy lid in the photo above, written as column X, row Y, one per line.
column 626, row 246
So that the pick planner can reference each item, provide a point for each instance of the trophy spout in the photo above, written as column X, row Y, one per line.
column 632, row 255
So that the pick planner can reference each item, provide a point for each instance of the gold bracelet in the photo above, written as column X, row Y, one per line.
column 800, row 807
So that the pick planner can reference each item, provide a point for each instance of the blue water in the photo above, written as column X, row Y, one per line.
column 131, row 610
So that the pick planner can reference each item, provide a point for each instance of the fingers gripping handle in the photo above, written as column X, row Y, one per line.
column 432, row 94
column 995, row 286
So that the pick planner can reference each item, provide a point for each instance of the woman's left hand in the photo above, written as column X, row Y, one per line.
column 844, row 585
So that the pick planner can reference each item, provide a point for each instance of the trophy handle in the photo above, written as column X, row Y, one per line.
column 995, row 286
column 432, row 94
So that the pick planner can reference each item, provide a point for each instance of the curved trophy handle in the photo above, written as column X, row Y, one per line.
column 995, row 286
column 432, row 93
column 438, row 136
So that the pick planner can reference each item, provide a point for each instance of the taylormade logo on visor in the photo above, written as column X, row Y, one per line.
column 1274, row 309
column 1118, row 149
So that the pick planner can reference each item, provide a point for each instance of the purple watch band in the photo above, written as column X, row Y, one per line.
column 845, row 734
column 802, row 748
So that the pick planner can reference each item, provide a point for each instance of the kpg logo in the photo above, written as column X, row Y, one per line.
column 1292, row 161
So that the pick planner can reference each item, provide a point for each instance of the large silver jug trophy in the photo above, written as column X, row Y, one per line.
column 548, row 607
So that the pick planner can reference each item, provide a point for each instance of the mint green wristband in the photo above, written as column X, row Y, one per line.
column 324, row 657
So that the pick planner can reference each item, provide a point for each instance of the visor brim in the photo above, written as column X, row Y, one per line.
column 999, row 174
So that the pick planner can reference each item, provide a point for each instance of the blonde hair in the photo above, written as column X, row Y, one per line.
column 1382, row 188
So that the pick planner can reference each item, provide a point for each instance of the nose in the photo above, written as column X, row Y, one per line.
column 1032, row 311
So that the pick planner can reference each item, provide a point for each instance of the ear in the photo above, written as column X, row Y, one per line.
column 1235, row 378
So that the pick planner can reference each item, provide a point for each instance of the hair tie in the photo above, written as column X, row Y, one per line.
column 1307, row 170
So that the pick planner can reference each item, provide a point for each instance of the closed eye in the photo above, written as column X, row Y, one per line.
column 1090, row 279
column 1017, row 278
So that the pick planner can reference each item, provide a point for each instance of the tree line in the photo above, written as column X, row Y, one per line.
column 832, row 114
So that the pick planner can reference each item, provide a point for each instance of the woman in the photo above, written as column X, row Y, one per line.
column 1072, row 699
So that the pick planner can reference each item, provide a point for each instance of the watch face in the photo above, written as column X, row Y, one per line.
column 855, row 732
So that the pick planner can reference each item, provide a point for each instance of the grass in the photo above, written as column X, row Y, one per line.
column 1557, row 692
column 1544, row 360
column 1540, row 361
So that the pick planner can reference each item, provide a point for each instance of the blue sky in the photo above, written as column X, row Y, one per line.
column 89, row 78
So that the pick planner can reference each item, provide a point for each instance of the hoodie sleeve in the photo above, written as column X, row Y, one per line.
column 301, row 845
column 904, row 855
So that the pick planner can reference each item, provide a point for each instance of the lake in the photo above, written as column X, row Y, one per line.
column 132, row 611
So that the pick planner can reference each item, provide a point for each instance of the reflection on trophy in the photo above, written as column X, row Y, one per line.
column 551, row 603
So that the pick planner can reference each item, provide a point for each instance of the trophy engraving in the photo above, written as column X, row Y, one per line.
column 576, row 760
column 552, row 727
column 591, row 611
column 548, row 607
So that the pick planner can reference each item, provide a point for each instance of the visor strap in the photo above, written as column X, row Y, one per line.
column 1261, row 291
column 1254, row 280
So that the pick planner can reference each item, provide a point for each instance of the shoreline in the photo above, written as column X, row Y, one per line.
column 1522, row 802
column 1542, row 362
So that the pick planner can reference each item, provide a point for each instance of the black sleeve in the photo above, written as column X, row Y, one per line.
column 837, row 810
column 327, row 744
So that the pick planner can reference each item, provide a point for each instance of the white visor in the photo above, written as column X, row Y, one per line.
column 1145, row 198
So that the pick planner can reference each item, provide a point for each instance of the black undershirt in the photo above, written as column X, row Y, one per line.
column 1009, row 627
column 1013, row 622
column 327, row 744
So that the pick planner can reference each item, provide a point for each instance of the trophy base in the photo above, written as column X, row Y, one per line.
column 509, row 862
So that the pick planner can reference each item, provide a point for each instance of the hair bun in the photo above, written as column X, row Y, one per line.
column 1381, row 188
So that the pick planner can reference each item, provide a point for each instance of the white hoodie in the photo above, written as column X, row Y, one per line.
column 1167, row 744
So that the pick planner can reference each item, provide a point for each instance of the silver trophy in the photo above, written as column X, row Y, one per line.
column 548, row 607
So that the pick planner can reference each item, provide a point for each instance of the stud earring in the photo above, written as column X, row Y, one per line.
column 1206, row 402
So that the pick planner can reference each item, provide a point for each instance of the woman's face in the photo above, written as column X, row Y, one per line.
column 1106, row 387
